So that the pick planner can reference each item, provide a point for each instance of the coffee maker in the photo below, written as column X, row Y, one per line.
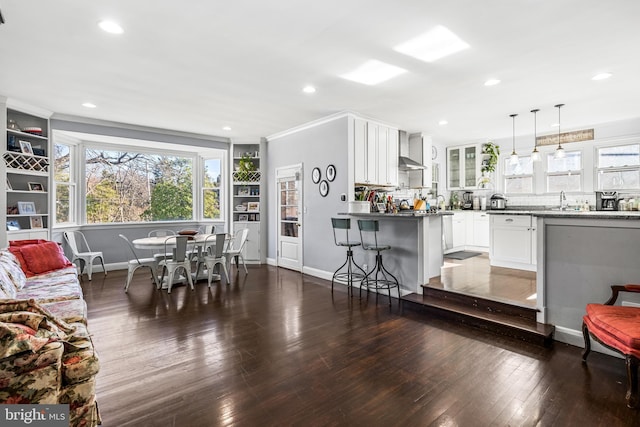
column 606, row 200
column 467, row 200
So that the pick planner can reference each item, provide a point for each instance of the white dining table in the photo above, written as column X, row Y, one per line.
column 157, row 243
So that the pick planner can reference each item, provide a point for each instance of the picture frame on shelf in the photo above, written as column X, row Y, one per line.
column 243, row 191
column 36, row 222
column 252, row 217
column 13, row 225
column 26, row 208
column 253, row 206
column 35, row 186
column 243, row 217
column 25, row 147
column 382, row 208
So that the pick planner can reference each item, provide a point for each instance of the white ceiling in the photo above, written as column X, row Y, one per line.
column 197, row 66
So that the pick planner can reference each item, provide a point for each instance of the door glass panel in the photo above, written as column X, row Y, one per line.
column 454, row 168
column 470, row 167
column 289, row 208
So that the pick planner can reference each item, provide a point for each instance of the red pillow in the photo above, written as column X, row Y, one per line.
column 23, row 264
column 44, row 257
column 26, row 242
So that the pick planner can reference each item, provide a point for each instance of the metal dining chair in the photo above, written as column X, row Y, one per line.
column 178, row 261
column 82, row 252
column 136, row 263
column 236, row 246
column 161, row 233
column 214, row 255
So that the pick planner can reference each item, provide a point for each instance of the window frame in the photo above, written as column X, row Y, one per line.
column 599, row 170
column 202, row 160
column 506, row 177
column 71, row 184
column 579, row 172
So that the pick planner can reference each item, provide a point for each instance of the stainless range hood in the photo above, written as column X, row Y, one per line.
column 406, row 163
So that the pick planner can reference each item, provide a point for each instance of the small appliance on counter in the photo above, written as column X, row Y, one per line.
column 606, row 200
column 467, row 200
column 498, row 201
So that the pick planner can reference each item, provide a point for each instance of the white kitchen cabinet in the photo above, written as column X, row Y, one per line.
column 459, row 230
column 513, row 242
column 481, row 230
column 463, row 167
column 251, row 251
column 375, row 154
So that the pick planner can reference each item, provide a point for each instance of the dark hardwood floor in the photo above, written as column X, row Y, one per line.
column 276, row 348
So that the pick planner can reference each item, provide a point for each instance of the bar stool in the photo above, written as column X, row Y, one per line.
column 382, row 279
column 350, row 275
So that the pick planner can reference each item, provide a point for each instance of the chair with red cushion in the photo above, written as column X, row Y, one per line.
column 617, row 328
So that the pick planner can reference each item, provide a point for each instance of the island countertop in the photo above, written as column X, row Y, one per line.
column 630, row 215
column 400, row 214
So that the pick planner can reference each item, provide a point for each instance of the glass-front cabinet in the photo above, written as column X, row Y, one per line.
column 463, row 167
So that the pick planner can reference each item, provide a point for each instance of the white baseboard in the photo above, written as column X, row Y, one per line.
column 575, row 338
column 271, row 261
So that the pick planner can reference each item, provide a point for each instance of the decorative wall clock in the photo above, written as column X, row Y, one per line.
column 324, row 188
column 331, row 173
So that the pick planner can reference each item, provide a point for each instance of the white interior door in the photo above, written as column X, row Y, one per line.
column 289, row 194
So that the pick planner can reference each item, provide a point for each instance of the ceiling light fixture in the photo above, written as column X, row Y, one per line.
column 601, row 76
column 226, row 128
column 111, row 27
column 514, row 155
column 443, row 122
column 491, row 82
column 432, row 45
column 535, row 154
column 373, row 72
column 309, row 89
column 559, row 154
column 89, row 105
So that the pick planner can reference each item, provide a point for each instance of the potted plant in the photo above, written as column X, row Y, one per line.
column 489, row 163
column 245, row 167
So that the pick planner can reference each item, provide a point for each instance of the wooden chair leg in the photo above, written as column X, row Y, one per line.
column 587, row 342
column 632, row 378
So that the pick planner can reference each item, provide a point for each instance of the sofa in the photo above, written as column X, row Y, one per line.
column 46, row 353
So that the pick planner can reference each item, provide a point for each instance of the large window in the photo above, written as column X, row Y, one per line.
column 564, row 174
column 131, row 187
column 518, row 177
column 618, row 167
column 212, row 180
column 65, row 183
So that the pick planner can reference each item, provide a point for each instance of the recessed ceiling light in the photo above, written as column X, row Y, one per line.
column 443, row 122
column 432, row 45
column 601, row 76
column 89, row 105
column 373, row 72
column 111, row 27
column 309, row 89
column 491, row 82
column 226, row 128
column 555, row 125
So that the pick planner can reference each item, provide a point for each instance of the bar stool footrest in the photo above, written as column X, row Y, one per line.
column 346, row 277
column 380, row 284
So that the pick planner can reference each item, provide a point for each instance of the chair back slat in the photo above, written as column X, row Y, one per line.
column 369, row 232
column 340, row 224
column 76, row 240
column 161, row 233
column 133, row 250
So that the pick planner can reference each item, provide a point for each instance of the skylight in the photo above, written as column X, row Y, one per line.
column 432, row 45
column 373, row 72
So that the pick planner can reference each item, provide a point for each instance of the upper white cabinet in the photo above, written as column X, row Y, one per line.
column 375, row 153
column 463, row 167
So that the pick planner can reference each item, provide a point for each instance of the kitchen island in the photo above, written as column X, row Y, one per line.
column 416, row 246
column 579, row 256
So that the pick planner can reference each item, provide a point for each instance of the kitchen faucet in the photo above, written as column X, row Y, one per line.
column 563, row 201
column 443, row 200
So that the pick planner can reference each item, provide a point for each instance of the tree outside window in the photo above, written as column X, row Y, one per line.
column 211, row 188
column 64, row 179
column 133, row 187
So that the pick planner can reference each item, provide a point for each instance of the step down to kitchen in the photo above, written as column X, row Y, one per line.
column 501, row 318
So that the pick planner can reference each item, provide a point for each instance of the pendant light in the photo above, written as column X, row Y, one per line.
column 535, row 154
column 559, row 154
column 514, row 155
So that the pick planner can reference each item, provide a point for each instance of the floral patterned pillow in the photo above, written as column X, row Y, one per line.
column 9, row 263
